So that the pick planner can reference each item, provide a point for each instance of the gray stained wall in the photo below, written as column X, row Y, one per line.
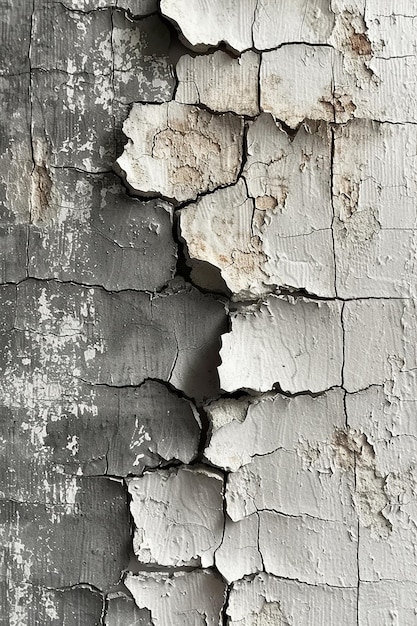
column 208, row 313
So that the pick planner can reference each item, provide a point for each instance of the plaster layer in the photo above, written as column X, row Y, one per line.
column 178, row 151
column 169, row 531
column 304, row 340
column 270, row 147
column 273, row 229
column 206, row 80
column 267, row 599
column 191, row 598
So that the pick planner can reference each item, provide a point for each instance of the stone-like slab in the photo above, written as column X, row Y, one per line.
column 385, row 327
column 238, row 555
column 278, row 23
column 269, row 423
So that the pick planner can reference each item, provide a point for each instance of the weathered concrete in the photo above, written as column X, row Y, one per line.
column 175, row 457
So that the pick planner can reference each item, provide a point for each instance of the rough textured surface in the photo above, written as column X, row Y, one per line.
column 274, row 227
column 95, row 234
column 238, row 555
column 304, row 340
column 85, row 329
column 140, row 427
column 248, row 457
column 79, row 535
column 191, row 598
column 179, row 151
column 375, row 246
column 270, row 600
column 170, row 532
column 217, row 231
column 292, row 20
column 310, row 96
column 206, row 80
column 122, row 611
column 229, row 21
column 61, row 607
column 289, row 180
column 393, row 337
column 269, row 423
column 282, row 442
column 247, row 24
column 303, row 548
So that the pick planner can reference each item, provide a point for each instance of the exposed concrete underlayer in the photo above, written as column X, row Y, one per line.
column 208, row 333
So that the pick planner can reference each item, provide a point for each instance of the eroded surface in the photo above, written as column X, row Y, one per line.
column 171, row 456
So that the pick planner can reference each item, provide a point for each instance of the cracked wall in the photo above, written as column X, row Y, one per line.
column 208, row 330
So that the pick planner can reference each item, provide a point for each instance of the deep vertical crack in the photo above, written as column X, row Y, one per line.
column 31, row 117
column 342, row 322
column 359, row 580
column 224, row 617
column 332, row 157
column 259, row 98
column 31, row 123
column 255, row 15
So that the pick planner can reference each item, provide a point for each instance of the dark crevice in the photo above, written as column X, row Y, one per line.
column 224, row 617
column 185, row 266
column 172, row 286
column 177, row 392
column 289, row 130
column 80, row 170
column 205, row 434
column 204, row 107
column 342, row 373
column 183, row 269
column 293, row 43
column 332, row 159
column 109, row 7
column 245, row 154
column 132, row 562
column 345, row 411
column 131, row 192
column 295, row 394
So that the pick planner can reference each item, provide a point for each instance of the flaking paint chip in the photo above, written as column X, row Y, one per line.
column 179, row 151
column 178, row 516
